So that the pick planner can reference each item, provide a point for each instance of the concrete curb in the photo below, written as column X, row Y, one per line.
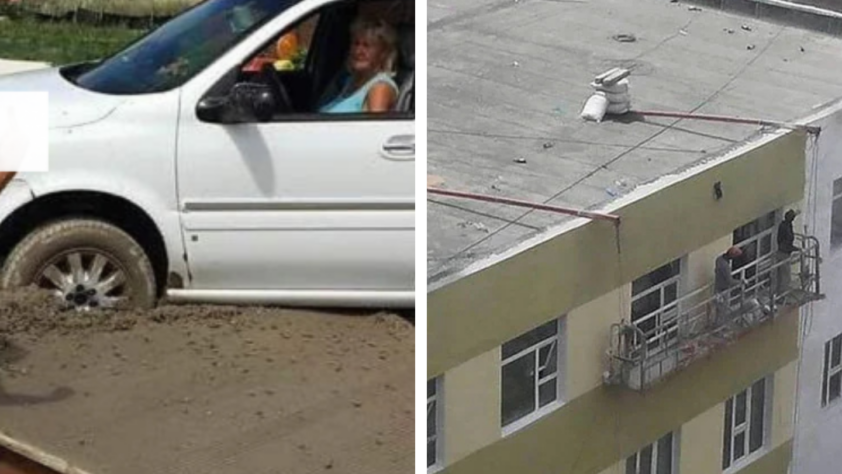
column 782, row 12
column 41, row 457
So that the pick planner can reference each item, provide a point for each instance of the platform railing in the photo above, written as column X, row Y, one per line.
column 641, row 354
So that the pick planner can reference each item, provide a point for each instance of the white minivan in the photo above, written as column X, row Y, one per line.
column 215, row 181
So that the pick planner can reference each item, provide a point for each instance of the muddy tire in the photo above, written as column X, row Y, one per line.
column 86, row 263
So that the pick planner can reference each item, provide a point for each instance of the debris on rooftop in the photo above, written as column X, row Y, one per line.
column 476, row 225
column 433, row 180
column 495, row 185
column 625, row 38
column 621, row 186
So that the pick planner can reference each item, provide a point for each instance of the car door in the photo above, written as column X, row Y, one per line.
column 305, row 203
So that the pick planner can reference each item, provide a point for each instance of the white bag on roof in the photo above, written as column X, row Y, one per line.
column 622, row 98
column 595, row 107
column 618, row 108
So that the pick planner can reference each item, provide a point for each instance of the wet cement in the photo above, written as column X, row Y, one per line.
column 196, row 389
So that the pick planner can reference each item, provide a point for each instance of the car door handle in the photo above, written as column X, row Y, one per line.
column 395, row 148
column 399, row 147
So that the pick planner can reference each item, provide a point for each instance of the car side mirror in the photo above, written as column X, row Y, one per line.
column 245, row 103
column 253, row 102
column 212, row 109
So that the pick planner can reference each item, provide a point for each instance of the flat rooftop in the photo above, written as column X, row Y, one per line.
column 507, row 81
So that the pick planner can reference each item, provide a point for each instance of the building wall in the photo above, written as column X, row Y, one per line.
column 594, row 431
column 701, row 448
column 580, row 274
column 588, row 329
column 472, row 407
column 819, row 429
column 481, row 311
column 700, row 439
column 471, row 400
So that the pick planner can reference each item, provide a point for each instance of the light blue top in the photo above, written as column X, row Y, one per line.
column 349, row 102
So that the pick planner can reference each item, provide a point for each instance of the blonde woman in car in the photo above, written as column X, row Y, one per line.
column 369, row 86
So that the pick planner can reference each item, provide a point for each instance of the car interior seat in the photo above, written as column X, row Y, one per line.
column 405, row 77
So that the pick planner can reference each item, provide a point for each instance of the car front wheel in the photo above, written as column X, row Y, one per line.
column 86, row 263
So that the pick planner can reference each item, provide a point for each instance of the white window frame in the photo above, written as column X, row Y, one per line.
column 837, row 196
column 674, row 448
column 434, row 402
column 829, row 371
column 665, row 312
column 557, row 377
column 767, row 258
column 749, row 457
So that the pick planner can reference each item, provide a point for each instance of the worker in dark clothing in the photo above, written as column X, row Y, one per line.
column 786, row 239
column 725, row 281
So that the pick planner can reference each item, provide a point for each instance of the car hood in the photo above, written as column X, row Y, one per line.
column 70, row 105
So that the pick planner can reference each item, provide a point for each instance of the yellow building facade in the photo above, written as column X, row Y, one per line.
column 520, row 349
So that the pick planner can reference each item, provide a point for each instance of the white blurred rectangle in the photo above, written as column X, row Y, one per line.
column 24, row 120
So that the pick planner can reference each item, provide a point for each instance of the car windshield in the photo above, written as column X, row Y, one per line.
column 179, row 49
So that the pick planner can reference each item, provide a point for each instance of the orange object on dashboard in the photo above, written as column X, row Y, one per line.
column 287, row 46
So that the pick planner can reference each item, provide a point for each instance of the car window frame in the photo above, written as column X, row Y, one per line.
column 304, row 117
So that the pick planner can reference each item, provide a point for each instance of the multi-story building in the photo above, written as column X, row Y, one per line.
column 599, row 346
column 819, row 414
column 634, row 368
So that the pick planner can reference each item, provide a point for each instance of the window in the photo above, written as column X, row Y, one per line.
column 654, row 308
column 530, row 368
column 756, row 240
column 657, row 458
column 289, row 51
column 832, row 374
column 176, row 51
column 310, row 71
column 745, row 419
column 836, row 216
column 432, row 423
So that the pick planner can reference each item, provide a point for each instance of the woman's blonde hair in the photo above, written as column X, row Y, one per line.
column 384, row 33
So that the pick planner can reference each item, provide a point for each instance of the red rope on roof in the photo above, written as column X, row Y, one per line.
column 528, row 204
column 722, row 118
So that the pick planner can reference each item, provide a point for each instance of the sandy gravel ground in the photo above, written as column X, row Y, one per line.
column 202, row 389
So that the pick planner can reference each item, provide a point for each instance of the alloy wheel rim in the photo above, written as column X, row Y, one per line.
column 84, row 279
